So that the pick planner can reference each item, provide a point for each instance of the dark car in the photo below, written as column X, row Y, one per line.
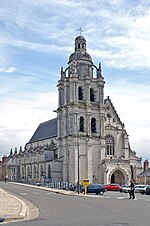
column 147, row 192
column 94, row 188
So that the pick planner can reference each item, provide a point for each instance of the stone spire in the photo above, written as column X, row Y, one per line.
column 99, row 71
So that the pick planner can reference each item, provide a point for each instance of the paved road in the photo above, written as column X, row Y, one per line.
column 112, row 209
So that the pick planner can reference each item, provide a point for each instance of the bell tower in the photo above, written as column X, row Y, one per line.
column 80, row 116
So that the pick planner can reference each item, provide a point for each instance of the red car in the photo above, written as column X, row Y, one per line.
column 112, row 187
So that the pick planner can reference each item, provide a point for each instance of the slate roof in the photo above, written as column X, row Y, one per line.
column 146, row 173
column 13, row 162
column 45, row 130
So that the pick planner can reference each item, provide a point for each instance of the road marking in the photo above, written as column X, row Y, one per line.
column 24, row 193
column 49, row 193
column 120, row 197
column 105, row 197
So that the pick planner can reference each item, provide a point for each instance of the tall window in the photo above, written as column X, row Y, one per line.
column 93, row 125
column 81, row 124
column 92, row 95
column 23, row 172
column 80, row 93
column 28, row 171
column 34, row 172
column 49, row 172
column 110, row 144
column 41, row 170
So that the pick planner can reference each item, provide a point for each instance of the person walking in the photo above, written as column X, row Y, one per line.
column 132, row 190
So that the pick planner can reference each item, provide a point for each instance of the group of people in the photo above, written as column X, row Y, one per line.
column 132, row 190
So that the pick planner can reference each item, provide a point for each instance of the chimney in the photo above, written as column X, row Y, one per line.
column 146, row 165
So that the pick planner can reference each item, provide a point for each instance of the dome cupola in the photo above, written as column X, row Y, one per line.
column 80, row 43
column 80, row 52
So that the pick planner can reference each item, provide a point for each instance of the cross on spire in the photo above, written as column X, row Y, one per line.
column 80, row 30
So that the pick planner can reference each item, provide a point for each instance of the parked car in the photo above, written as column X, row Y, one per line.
column 147, row 190
column 124, row 188
column 143, row 189
column 140, row 188
column 94, row 188
column 112, row 187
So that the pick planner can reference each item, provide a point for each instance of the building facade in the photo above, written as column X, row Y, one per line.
column 144, row 177
column 87, row 139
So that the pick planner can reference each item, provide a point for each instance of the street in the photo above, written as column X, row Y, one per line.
column 111, row 209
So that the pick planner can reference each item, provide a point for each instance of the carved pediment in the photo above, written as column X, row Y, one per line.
column 111, row 116
column 111, row 127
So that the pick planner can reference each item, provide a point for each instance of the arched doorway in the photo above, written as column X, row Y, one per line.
column 118, row 177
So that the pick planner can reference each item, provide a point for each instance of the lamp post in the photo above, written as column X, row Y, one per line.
column 78, row 164
column 78, row 155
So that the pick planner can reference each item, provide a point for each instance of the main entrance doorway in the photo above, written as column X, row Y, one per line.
column 118, row 177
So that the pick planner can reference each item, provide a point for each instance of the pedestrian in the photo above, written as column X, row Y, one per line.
column 132, row 190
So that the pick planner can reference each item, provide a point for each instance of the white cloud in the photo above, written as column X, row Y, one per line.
column 126, row 32
column 8, row 70
column 117, row 33
column 132, row 103
column 21, row 115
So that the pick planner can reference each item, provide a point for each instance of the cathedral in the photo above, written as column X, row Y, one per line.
column 87, row 139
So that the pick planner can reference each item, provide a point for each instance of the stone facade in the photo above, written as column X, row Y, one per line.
column 82, row 112
column 87, row 140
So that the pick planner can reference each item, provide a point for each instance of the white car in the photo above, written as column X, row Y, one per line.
column 140, row 188
column 124, row 188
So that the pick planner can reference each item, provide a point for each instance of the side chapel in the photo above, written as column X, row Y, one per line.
column 87, row 139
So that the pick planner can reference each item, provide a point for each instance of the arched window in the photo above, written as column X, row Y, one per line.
column 49, row 172
column 28, row 171
column 80, row 93
column 81, row 124
column 41, row 170
column 93, row 125
column 34, row 172
column 23, row 172
column 92, row 95
column 110, row 144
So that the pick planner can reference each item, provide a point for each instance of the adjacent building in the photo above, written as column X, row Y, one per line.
column 144, row 177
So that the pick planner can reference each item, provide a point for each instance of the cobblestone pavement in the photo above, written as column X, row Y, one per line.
column 11, row 207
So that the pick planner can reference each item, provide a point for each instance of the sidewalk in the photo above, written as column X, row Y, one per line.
column 11, row 207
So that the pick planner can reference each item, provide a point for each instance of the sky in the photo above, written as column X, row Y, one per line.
column 36, row 39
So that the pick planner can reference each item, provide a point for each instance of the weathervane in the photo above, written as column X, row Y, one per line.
column 80, row 30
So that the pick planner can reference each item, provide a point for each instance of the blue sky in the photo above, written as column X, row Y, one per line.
column 37, row 38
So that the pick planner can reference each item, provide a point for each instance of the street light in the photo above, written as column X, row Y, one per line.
column 78, row 154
